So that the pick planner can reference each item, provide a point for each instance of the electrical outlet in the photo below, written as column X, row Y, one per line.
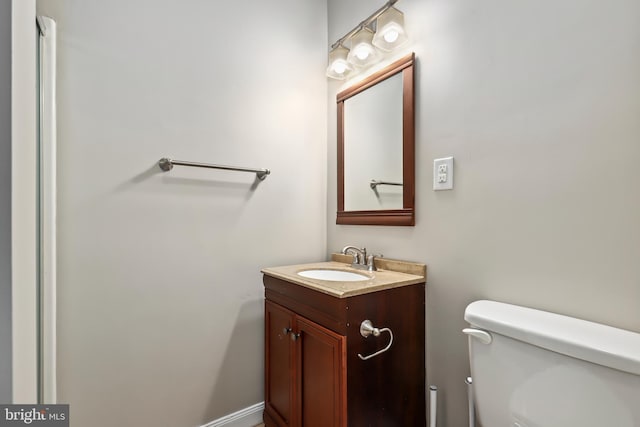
column 443, row 174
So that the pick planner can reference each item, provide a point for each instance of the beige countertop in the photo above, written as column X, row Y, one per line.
column 396, row 274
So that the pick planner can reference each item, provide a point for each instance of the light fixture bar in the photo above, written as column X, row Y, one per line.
column 365, row 23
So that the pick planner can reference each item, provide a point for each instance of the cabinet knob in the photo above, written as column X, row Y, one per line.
column 294, row 337
column 285, row 331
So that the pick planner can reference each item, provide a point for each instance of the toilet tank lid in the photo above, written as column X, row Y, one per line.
column 593, row 342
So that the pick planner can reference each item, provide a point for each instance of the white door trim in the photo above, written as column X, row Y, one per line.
column 47, row 83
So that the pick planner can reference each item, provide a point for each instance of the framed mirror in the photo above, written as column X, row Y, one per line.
column 376, row 150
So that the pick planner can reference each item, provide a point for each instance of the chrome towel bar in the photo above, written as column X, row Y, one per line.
column 375, row 183
column 167, row 164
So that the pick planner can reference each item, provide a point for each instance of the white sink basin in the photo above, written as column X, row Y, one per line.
column 333, row 275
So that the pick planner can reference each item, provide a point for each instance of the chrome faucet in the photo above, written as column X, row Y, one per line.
column 360, row 259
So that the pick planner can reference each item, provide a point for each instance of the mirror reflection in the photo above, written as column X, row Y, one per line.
column 373, row 147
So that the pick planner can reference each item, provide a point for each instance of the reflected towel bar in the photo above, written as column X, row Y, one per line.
column 375, row 183
column 167, row 164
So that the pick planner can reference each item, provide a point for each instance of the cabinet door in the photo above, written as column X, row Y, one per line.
column 321, row 368
column 279, row 364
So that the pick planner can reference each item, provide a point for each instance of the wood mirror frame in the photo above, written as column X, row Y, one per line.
column 406, row 215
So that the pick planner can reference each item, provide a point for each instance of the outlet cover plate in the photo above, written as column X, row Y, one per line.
column 443, row 174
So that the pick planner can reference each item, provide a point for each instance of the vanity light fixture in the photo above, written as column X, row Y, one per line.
column 339, row 65
column 366, row 45
column 390, row 30
column 362, row 52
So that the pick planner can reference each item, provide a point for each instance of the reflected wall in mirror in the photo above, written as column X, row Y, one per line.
column 373, row 153
column 376, row 166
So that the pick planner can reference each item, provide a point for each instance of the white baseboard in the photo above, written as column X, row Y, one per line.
column 247, row 417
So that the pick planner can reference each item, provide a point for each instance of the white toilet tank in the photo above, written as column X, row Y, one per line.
column 547, row 370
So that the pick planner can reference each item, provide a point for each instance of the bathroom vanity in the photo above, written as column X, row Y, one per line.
column 320, row 370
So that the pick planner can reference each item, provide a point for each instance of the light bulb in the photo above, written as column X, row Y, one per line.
column 391, row 36
column 339, row 67
column 362, row 53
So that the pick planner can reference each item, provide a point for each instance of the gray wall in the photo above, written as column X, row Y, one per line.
column 160, row 292
column 539, row 105
column 5, row 202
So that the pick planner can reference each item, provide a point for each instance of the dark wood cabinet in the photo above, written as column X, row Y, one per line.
column 279, row 367
column 305, row 371
column 321, row 376
column 313, row 375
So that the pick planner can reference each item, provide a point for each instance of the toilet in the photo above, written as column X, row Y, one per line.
column 532, row 368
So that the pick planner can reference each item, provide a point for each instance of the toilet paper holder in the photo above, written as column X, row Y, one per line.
column 367, row 329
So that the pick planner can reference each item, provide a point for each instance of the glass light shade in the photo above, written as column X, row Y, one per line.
column 362, row 52
column 339, row 66
column 390, row 30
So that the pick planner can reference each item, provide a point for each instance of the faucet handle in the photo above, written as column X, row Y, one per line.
column 371, row 264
